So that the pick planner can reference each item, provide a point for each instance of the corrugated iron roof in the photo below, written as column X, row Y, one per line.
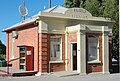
column 56, row 9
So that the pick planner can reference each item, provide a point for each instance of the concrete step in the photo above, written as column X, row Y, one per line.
column 15, row 72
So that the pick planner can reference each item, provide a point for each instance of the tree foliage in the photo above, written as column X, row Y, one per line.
column 2, row 48
column 93, row 6
column 111, row 9
column 103, row 8
column 74, row 3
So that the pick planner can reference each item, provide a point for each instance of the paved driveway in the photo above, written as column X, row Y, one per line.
column 89, row 77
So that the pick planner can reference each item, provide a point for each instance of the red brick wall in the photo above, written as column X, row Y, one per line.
column 44, row 53
column 72, row 38
column 8, row 45
column 94, row 67
column 26, row 36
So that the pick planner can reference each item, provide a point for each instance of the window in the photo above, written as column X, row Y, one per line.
column 55, row 48
column 12, row 48
column 93, row 49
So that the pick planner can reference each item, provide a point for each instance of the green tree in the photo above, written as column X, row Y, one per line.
column 111, row 10
column 93, row 6
column 74, row 3
column 2, row 48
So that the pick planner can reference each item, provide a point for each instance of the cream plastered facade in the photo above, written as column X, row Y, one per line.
column 80, row 21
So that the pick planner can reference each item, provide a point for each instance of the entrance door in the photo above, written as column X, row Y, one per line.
column 29, row 59
column 74, row 55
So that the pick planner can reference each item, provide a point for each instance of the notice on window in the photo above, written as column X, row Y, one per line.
column 28, row 52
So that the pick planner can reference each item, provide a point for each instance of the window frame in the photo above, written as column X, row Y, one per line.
column 98, row 50
column 60, row 43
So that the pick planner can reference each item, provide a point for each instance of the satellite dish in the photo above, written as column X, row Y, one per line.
column 23, row 10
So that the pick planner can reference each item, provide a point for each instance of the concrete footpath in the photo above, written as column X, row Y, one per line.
column 89, row 77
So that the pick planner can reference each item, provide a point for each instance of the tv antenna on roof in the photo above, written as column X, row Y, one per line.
column 23, row 10
column 49, row 2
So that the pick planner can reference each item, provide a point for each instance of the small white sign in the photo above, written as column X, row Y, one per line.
column 28, row 52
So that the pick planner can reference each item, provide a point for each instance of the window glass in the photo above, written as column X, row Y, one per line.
column 55, row 48
column 22, row 48
column 93, row 49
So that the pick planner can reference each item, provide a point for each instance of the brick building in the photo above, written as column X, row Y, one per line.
column 60, row 39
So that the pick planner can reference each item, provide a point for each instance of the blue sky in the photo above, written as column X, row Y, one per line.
column 9, row 13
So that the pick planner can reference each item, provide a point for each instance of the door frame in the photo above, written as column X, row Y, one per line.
column 71, row 55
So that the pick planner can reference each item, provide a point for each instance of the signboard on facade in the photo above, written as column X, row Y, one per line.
column 78, row 13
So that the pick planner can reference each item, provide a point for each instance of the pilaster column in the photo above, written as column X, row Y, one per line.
column 66, row 51
column 43, row 27
column 81, row 52
column 105, row 51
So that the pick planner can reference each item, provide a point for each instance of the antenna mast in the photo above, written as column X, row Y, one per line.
column 23, row 10
column 49, row 3
column 24, row 6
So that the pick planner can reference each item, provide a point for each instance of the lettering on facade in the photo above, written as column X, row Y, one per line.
column 79, row 10
column 78, row 13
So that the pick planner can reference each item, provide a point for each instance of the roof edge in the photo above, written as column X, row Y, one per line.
column 17, row 27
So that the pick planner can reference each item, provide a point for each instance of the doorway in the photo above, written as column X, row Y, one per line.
column 74, row 56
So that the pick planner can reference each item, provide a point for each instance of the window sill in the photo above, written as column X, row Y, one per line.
column 94, row 62
column 58, row 61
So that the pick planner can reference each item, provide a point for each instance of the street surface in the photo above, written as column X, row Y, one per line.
column 89, row 77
